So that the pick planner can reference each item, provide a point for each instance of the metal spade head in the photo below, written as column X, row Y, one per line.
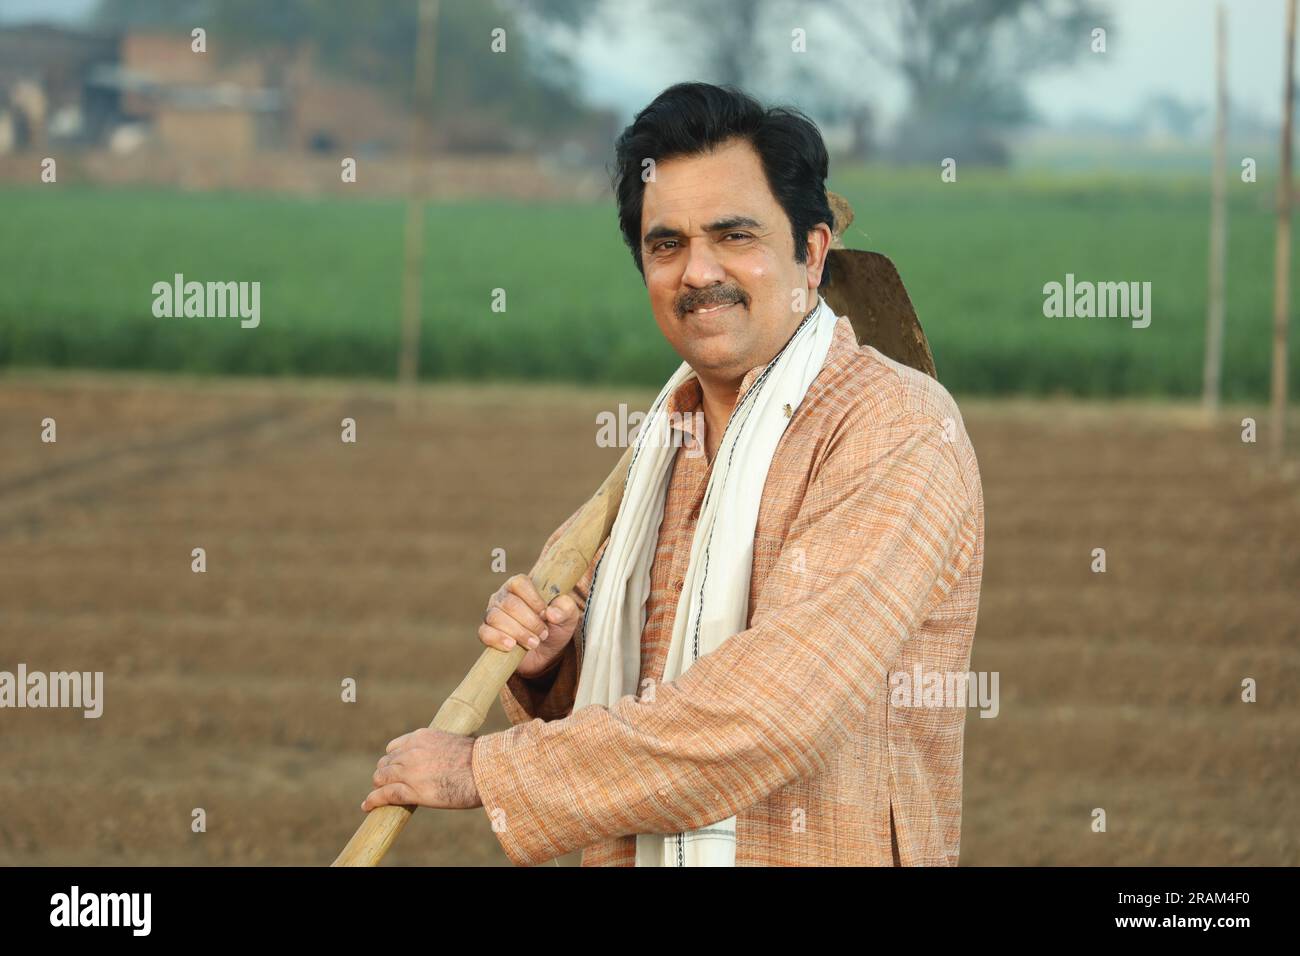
column 866, row 287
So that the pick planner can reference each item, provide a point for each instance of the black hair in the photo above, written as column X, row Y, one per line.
column 692, row 118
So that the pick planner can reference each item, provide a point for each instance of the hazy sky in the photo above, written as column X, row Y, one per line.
column 1168, row 46
column 1153, row 46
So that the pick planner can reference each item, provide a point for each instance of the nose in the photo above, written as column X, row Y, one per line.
column 702, row 266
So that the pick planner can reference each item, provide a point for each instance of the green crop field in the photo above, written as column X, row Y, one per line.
column 79, row 265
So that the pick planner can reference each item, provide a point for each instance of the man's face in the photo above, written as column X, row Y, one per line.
column 719, row 262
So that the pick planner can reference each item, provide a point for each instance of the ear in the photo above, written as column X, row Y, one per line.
column 819, row 246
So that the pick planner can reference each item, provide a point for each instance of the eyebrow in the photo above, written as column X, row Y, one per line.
column 730, row 222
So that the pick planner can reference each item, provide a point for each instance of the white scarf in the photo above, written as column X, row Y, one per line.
column 714, row 605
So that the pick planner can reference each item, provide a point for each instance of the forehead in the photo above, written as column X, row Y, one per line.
column 688, row 191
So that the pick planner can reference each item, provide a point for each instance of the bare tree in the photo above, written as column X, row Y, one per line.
column 724, row 36
column 966, row 62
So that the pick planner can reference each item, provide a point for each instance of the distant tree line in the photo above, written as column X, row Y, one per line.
column 964, row 64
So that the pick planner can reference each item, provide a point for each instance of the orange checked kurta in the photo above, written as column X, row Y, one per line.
column 868, row 556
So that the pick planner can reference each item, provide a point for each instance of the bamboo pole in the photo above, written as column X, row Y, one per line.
column 413, row 235
column 1282, row 248
column 558, row 570
column 1212, row 388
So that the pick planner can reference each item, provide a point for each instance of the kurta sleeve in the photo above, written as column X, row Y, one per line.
column 886, row 528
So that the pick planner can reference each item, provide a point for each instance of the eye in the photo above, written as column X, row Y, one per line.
column 737, row 235
column 663, row 245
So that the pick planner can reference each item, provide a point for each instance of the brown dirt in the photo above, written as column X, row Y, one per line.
column 325, row 561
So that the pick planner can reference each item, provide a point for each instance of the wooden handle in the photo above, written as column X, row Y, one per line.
column 556, row 573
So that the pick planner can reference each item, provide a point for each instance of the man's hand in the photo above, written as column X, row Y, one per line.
column 426, row 768
column 516, row 614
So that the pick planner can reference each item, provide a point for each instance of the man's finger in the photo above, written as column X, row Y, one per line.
column 520, row 610
column 562, row 609
column 397, row 742
column 393, row 794
column 522, row 585
column 510, row 626
column 490, row 636
column 386, row 759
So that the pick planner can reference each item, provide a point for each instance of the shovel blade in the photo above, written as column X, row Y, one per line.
column 866, row 287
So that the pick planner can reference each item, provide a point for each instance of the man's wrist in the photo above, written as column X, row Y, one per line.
column 469, row 775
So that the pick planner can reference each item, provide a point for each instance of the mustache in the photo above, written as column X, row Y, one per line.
column 710, row 297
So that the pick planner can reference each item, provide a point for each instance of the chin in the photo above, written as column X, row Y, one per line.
column 721, row 363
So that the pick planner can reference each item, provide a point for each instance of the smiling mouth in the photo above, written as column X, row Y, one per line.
column 713, row 308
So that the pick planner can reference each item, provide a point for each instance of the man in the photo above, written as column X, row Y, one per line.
column 717, row 689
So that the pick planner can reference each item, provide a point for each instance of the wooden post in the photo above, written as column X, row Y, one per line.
column 1212, row 387
column 1282, row 248
column 413, row 238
